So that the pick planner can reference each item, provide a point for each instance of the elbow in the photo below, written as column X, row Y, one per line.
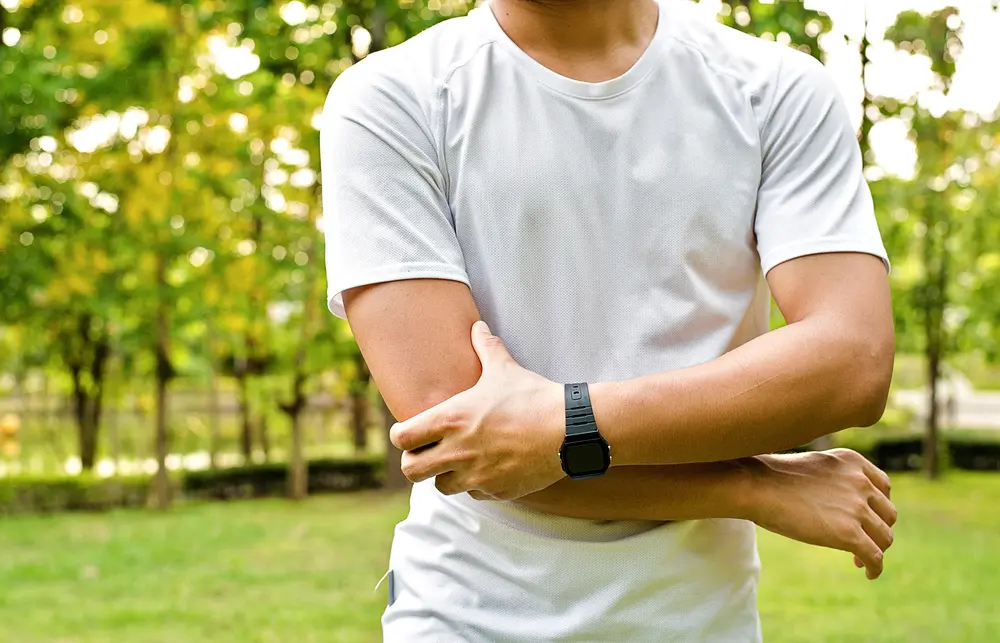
column 871, row 374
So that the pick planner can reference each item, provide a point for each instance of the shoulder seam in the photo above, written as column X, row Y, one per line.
column 439, row 112
column 774, row 98
column 716, row 68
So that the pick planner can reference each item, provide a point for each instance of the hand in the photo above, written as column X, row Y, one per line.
column 500, row 439
column 833, row 499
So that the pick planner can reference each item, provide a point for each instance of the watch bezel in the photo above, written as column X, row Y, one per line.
column 580, row 440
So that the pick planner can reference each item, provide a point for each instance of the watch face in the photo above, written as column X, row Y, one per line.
column 590, row 458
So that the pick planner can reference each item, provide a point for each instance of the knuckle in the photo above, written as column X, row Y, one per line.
column 406, row 466
column 480, row 482
column 860, row 508
column 493, row 341
column 453, row 418
column 400, row 438
column 445, row 486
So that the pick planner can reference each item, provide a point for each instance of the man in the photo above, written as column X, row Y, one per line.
column 606, row 185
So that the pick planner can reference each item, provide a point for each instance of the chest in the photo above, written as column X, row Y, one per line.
column 528, row 165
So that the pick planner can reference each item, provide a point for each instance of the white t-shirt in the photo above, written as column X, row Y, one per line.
column 607, row 231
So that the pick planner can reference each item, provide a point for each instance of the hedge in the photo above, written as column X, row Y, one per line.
column 48, row 494
column 908, row 455
column 37, row 494
column 902, row 449
column 260, row 480
column 892, row 451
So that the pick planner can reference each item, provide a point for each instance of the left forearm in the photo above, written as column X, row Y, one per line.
column 780, row 390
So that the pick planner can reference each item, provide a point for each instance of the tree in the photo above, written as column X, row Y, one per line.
column 935, row 223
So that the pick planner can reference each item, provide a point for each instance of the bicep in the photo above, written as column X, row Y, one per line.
column 849, row 289
column 415, row 336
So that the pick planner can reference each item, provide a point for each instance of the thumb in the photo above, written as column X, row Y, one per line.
column 489, row 347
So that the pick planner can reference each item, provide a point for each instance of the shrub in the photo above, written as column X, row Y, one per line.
column 38, row 494
column 260, row 480
column 47, row 494
column 903, row 450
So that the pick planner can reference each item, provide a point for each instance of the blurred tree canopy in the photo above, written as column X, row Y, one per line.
column 160, row 201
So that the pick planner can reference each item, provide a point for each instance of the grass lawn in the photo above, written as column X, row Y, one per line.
column 275, row 571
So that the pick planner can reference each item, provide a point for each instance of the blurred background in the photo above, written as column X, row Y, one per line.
column 164, row 341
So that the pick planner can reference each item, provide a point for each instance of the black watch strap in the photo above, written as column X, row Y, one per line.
column 579, row 413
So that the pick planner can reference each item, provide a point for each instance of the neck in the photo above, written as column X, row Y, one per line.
column 577, row 27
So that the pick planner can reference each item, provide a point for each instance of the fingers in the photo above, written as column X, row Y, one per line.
column 878, row 478
column 877, row 530
column 449, row 484
column 419, row 431
column 882, row 506
column 418, row 467
column 868, row 553
column 489, row 347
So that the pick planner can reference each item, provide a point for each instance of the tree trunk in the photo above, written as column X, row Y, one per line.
column 360, row 410
column 114, row 436
column 394, row 478
column 932, row 467
column 298, row 473
column 214, row 413
column 87, row 368
column 264, row 437
column 162, row 492
column 298, row 466
column 935, row 302
column 246, row 426
column 86, row 429
column 213, row 422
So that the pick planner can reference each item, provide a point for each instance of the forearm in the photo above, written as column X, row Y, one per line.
column 778, row 391
column 663, row 493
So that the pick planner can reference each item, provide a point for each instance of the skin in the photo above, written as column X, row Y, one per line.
column 588, row 40
column 686, row 444
column 498, row 432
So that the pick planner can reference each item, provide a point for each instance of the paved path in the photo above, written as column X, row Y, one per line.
column 974, row 409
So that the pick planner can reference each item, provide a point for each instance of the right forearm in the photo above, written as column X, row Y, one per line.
column 664, row 493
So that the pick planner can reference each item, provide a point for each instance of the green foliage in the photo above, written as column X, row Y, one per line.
column 200, row 203
column 51, row 494
column 262, row 480
column 787, row 21
column 935, row 36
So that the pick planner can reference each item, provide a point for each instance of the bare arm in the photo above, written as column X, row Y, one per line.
column 828, row 370
column 415, row 337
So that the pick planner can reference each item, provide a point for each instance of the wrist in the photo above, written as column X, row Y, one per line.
column 749, row 488
column 605, row 397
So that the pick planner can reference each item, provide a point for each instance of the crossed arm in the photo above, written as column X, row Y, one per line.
column 687, row 443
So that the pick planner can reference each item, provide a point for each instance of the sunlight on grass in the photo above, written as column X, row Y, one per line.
column 271, row 570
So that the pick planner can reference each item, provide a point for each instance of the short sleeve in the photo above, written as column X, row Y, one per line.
column 813, row 197
column 385, row 210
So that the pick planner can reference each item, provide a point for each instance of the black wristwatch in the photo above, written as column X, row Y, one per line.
column 584, row 453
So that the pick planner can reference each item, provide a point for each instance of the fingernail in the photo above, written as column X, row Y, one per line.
column 483, row 327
